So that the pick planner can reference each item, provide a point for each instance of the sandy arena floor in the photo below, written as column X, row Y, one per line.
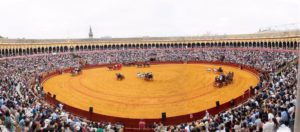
column 177, row 89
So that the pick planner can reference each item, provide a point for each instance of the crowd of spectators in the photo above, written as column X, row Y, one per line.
column 273, row 109
column 23, row 108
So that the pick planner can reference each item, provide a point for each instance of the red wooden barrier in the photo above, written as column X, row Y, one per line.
column 133, row 123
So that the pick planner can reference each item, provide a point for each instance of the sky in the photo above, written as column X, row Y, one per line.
column 48, row 19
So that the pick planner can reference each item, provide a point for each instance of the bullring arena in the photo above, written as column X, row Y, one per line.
column 72, row 80
column 178, row 89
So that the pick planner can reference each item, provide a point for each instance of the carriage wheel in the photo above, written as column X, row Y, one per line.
column 220, row 85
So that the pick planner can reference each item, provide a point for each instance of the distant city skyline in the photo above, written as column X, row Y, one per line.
column 65, row 19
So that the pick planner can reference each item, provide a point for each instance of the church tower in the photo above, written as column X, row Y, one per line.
column 91, row 33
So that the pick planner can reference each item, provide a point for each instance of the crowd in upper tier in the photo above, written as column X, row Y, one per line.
column 23, row 108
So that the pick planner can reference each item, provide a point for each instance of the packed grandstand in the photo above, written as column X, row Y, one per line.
column 23, row 62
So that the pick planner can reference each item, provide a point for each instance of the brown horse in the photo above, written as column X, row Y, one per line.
column 148, row 77
column 120, row 76
column 143, row 65
column 115, row 67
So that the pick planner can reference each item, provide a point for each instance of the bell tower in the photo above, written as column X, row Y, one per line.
column 91, row 33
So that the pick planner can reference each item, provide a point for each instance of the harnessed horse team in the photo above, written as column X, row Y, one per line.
column 148, row 76
column 222, row 79
column 76, row 71
column 115, row 67
column 143, row 65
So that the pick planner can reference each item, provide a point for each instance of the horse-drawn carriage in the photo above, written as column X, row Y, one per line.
column 115, row 67
column 146, row 76
column 219, row 70
column 120, row 76
column 223, row 80
column 143, row 65
column 216, row 70
column 76, row 71
column 128, row 63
